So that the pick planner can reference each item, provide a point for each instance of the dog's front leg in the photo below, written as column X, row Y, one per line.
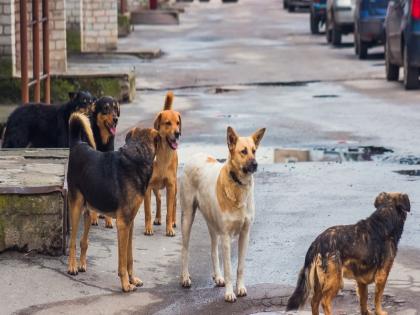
column 148, row 230
column 123, row 231
column 229, row 294
column 170, row 203
column 217, row 274
column 242, row 249
column 380, row 281
column 133, row 280
column 75, row 201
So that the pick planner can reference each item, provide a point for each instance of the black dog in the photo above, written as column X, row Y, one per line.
column 43, row 126
column 113, row 183
column 103, row 117
column 364, row 251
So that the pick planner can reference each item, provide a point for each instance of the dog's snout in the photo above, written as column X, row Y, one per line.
column 115, row 120
column 252, row 166
column 177, row 134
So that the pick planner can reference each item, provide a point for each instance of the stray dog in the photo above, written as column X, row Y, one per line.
column 44, row 126
column 103, row 116
column 224, row 193
column 112, row 183
column 168, row 124
column 364, row 251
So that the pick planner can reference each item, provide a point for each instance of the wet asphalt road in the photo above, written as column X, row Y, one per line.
column 271, row 73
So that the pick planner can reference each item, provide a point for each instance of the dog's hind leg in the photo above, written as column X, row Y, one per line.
column 108, row 222
column 158, row 218
column 133, row 280
column 227, row 267
column 331, row 284
column 242, row 249
column 84, row 240
column 76, row 201
column 217, row 274
column 316, row 299
column 174, row 207
column 189, row 207
column 170, row 204
column 123, row 231
column 362, row 292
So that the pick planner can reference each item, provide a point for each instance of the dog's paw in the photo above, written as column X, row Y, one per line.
column 241, row 291
column 72, row 269
column 82, row 267
column 230, row 297
column 380, row 313
column 186, row 281
column 136, row 281
column 129, row 288
column 94, row 222
column 157, row 222
column 170, row 232
column 370, row 313
column 148, row 231
column 219, row 281
column 108, row 223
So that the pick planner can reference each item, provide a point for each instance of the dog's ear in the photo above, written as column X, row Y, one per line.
column 130, row 134
column 381, row 199
column 72, row 96
column 232, row 138
column 257, row 136
column 403, row 203
column 156, row 124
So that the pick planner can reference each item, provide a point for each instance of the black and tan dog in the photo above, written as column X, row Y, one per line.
column 112, row 183
column 364, row 251
column 44, row 126
column 103, row 116
column 168, row 124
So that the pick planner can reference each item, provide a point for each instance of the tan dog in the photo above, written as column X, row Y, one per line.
column 168, row 123
column 224, row 193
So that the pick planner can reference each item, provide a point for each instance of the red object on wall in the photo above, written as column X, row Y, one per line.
column 153, row 4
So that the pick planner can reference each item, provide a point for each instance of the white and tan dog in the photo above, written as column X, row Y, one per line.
column 224, row 193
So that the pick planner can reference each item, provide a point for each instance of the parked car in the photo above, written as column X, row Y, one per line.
column 291, row 5
column 369, row 30
column 339, row 21
column 402, row 49
column 317, row 15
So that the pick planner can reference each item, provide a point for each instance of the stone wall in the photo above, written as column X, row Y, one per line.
column 100, row 25
column 7, row 38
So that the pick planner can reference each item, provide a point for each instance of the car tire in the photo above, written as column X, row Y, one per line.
column 362, row 48
column 285, row 6
column 356, row 44
column 314, row 21
column 291, row 8
column 328, row 33
column 392, row 70
column 336, row 35
column 411, row 74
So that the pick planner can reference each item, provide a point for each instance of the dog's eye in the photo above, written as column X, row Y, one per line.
column 177, row 123
column 244, row 151
column 253, row 151
column 168, row 123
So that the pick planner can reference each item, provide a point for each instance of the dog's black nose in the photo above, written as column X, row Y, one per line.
column 115, row 120
column 177, row 134
column 252, row 166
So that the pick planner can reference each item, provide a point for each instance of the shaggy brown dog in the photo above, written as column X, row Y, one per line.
column 112, row 183
column 364, row 252
column 168, row 123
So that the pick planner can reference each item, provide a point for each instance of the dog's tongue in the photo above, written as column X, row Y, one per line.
column 113, row 130
column 174, row 145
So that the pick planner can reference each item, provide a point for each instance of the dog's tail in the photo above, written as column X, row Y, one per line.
column 169, row 100
column 305, row 283
column 79, row 126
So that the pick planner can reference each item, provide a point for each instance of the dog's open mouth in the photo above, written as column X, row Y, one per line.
column 172, row 142
column 111, row 128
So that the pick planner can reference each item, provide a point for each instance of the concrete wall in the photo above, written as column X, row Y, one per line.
column 100, row 25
